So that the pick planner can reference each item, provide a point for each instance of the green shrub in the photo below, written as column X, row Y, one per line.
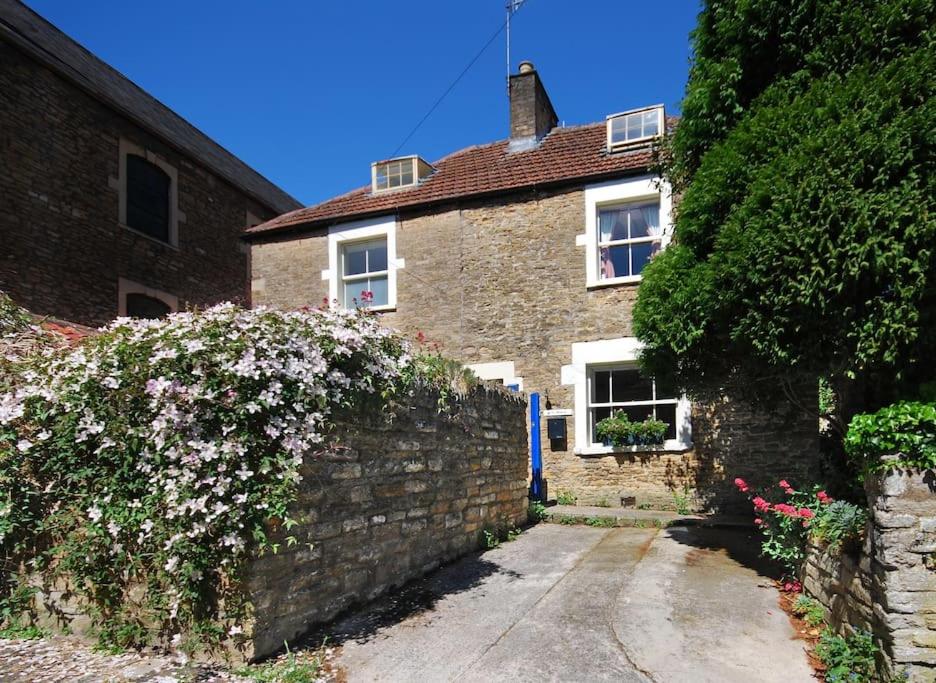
column 490, row 538
column 849, row 659
column 536, row 512
column 804, row 241
column 566, row 498
column 906, row 428
column 620, row 431
column 838, row 523
column 681, row 502
column 809, row 610
column 600, row 522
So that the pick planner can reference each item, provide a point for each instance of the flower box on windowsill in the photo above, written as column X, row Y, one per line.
column 670, row 446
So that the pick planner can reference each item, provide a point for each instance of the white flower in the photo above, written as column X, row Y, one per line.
column 171, row 564
column 235, row 631
column 94, row 513
column 44, row 435
column 23, row 445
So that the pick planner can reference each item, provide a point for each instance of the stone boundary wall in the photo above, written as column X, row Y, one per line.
column 392, row 501
column 889, row 588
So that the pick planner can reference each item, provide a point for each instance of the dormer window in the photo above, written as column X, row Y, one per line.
column 630, row 127
column 398, row 173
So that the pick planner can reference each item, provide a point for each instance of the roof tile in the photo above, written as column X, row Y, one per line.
column 565, row 154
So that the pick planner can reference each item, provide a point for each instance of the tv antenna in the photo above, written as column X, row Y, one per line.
column 512, row 7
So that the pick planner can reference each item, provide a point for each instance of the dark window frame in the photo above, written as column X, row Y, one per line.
column 148, row 198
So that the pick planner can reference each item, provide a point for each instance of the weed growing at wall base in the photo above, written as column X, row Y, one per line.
column 849, row 659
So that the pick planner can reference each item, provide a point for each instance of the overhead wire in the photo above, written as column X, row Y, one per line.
column 511, row 10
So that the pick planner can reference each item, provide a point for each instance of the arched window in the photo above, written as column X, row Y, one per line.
column 142, row 306
column 148, row 198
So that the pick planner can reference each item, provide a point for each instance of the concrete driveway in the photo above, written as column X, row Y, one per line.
column 581, row 604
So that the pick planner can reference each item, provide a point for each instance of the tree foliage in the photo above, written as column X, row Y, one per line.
column 741, row 47
column 805, row 237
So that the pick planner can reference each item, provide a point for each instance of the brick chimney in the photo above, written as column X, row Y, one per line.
column 531, row 113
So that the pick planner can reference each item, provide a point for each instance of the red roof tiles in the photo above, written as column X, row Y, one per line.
column 72, row 332
column 564, row 155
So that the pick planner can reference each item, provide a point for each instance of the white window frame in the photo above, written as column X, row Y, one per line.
column 592, row 368
column 624, row 144
column 362, row 231
column 361, row 277
column 587, row 356
column 627, row 241
column 502, row 371
column 615, row 194
column 126, row 147
column 401, row 162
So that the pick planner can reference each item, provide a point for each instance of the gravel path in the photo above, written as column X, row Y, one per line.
column 65, row 659
column 58, row 659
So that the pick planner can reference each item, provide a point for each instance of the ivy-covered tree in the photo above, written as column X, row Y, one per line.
column 805, row 239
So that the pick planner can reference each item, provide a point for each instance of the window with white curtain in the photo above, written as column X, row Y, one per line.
column 628, row 237
column 364, row 274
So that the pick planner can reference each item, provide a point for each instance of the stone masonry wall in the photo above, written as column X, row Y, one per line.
column 889, row 588
column 394, row 500
column 63, row 249
column 504, row 280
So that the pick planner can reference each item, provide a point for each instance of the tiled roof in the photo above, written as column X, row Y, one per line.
column 72, row 332
column 32, row 33
column 564, row 155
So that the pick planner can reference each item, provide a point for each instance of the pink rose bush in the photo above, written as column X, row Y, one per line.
column 785, row 524
column 159, row 452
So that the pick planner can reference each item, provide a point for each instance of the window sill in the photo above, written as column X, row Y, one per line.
column 637, row 143
column 152, row 239
column 375, row 309
column 668, row 447
column 629, row 280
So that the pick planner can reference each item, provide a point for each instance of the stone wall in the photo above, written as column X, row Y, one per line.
column 394, row 500
column 504, row 280
column 63, row 250
column 889, row 587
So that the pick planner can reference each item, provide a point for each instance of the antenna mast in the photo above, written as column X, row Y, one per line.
column 512, row 6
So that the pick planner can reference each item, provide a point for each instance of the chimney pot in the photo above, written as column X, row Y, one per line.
column 531, row 113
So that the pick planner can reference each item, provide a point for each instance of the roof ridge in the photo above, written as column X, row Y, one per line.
column 570, row 154
column 13, row 14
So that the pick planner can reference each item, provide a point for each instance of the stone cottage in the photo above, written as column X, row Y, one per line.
column 522, row 258
column 110, row 203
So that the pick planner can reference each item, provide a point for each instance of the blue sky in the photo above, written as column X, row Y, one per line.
column 309, row 92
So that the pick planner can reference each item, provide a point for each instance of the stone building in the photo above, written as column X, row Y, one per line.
column 110, row 203
column 522, row 258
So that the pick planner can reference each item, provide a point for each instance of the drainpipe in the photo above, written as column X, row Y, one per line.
column 537, row 486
